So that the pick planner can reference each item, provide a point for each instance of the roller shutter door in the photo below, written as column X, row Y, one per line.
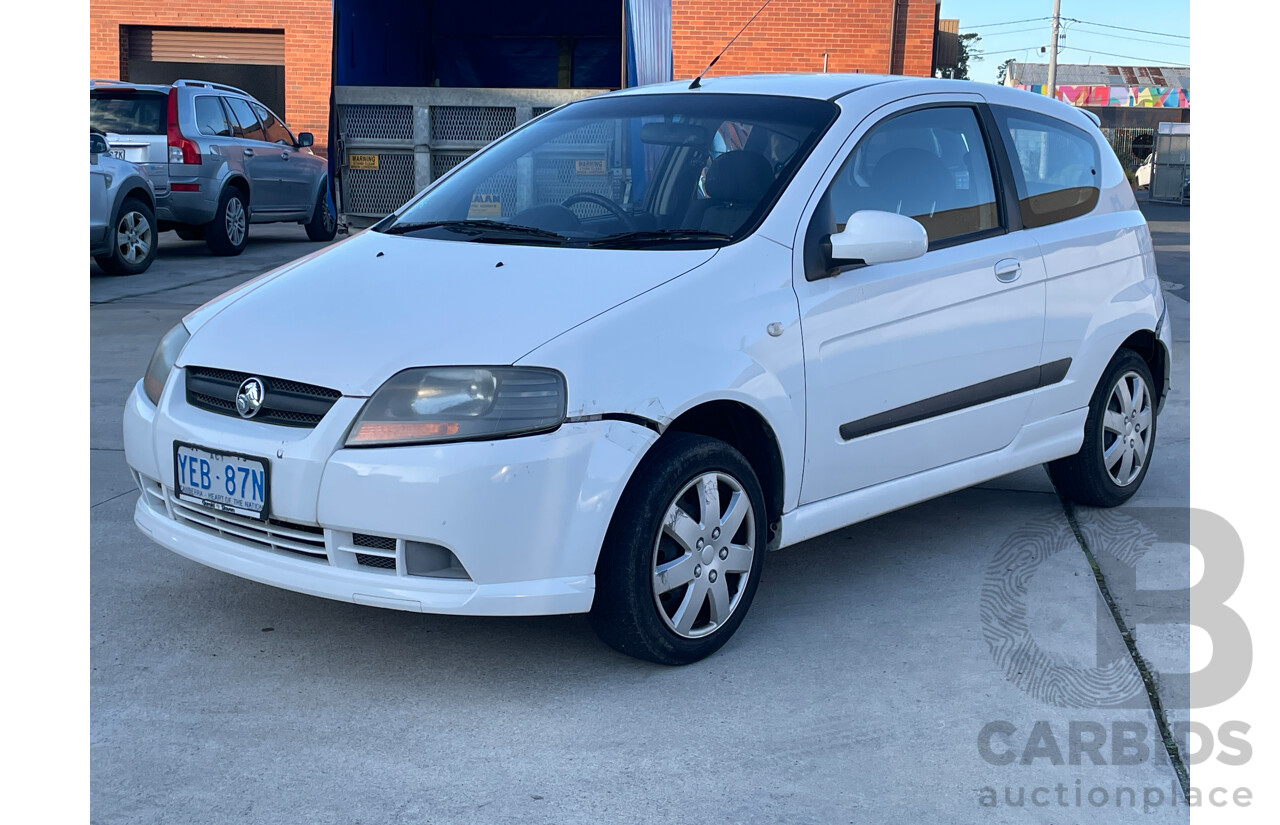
column 244, row 47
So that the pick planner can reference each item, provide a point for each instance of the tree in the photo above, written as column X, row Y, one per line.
column 967, row 50
column 1003, row 71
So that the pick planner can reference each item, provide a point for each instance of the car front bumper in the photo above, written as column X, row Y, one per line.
column 524, row 517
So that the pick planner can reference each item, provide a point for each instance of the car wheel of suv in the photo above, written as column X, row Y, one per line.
column 133, row 246
column 190, row 233
column 323, row 226
column 1119, row 437
column 228, row 232
column 682, row 557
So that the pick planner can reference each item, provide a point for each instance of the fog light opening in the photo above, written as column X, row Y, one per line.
column 433, row 561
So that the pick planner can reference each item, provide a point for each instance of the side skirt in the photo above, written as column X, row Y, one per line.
column 1036, row 443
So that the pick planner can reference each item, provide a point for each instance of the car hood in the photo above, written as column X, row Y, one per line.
column 354, row 314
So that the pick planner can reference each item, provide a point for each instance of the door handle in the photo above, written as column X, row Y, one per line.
column 248, row 153
column 1008, row 270
column 284, row 155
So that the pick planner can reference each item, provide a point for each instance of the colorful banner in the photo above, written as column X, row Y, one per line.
column 1163, row 97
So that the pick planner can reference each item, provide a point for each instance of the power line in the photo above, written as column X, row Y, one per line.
column 1018, row 31
column 1006, row 23
column 1138, row 39
column 1150, row 61
column 1122, row 28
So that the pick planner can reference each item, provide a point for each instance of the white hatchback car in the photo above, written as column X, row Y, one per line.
column 610, row 360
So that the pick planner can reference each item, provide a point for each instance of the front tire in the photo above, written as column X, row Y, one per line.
column 1119, row 437
column 323, row 226
column 682, row 557
column 133, row 241
column 228, row 232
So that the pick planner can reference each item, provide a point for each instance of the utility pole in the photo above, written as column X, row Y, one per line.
column 1053, row 50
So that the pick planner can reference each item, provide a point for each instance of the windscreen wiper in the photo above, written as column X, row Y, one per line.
column 657, row 236
column 479, row 229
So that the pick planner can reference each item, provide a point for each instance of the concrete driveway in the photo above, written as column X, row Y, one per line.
column 952, row 662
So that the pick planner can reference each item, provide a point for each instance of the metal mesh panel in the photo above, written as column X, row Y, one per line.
column 442, row 162
column 380, row 542
column 556, row 178
column 379, row 191
column 377, row 121
column 601, row 131
column 471, row 123
column 375, row 561
column 541, row 110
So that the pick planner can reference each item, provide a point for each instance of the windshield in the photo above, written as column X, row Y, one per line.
column 638, row 171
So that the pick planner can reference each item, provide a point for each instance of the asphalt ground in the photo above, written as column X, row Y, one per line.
column 939, row 664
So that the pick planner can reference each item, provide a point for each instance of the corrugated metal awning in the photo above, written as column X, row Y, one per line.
column 251, row 46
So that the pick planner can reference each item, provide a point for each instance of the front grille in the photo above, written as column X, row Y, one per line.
column 380, row 542
column 288, row 403
column 300, row 539
column 376, row 561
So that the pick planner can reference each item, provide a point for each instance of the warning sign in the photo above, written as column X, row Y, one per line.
column 485, row 206
column 589, row 167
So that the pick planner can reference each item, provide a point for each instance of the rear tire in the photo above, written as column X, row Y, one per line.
column 1119, row 437
column 133, row 240
column 682, row 557
column 228, row 232
column 323, row 226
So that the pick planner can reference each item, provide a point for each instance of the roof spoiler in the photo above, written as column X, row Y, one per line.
column 1097, row 121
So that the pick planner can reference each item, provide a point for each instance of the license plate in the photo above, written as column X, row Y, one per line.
column 231, row 482
column 362, row 161
column 117, row 153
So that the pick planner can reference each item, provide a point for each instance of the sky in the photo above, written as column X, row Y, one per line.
column 1163, row 39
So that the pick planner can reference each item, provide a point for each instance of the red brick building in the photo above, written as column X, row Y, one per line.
column 795, row 35
column 282, row 50
column 278, row 50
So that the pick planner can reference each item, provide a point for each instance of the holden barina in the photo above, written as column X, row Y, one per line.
column 610, row 361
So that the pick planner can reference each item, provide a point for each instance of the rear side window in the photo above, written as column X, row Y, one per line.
column 211, row 118
column 1056, row 166
column 246, row 122
column 276, row 131
column 128, row 111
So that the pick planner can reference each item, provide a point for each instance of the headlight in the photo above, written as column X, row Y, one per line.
column 432, row 404
column 162, row 361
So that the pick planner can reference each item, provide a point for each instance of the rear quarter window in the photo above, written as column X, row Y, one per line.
column 128, row 111
column 1056, row 166
column 211, row 118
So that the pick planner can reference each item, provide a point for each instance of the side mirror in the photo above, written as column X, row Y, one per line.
column 97, row 144
column 872, row 237
column 305, row 139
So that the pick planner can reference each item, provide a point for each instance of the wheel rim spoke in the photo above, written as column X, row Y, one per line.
column 681, row 527
column 734, row 514
column 673, row 574
column 1113, row 455
column 709, row 499
column 690, row 607
column 1113, row 422
column 1126, row 464
column 721, row 605
column 739, row 559
column 1123, row 395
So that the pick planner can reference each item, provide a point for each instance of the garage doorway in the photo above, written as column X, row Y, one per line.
column 249, row 59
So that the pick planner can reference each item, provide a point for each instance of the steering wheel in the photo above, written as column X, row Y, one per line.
column 600, row 200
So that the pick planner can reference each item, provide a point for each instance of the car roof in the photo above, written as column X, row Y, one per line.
column 835, row 86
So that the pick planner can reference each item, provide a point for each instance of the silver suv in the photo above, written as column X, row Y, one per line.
column 217, row 159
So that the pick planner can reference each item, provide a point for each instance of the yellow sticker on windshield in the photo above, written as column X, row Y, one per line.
column 589, row 167
column 485, row 206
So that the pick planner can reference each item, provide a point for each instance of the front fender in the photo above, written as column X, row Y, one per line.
column 704, row 336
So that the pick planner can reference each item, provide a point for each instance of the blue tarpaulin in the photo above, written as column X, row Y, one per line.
column 501, row 43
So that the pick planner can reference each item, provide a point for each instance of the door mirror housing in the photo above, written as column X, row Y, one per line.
column 97, row 144
column 305, row 139
column 872, row 237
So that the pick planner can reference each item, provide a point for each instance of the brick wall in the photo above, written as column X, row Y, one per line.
column 308, row 35
column 792, row 35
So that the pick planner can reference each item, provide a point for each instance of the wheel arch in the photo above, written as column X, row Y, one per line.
column 746, row 430
column 132, row 188
column 1149, row 346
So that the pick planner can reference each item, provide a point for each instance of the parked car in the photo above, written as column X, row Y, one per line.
column 558, row 382
column 122, row 221
column 218, row 158
column 1143, row 174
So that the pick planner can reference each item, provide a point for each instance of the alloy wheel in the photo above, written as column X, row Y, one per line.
column 1126, row 426
column 133, row 237
column 702, row 556
column 235, row 221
